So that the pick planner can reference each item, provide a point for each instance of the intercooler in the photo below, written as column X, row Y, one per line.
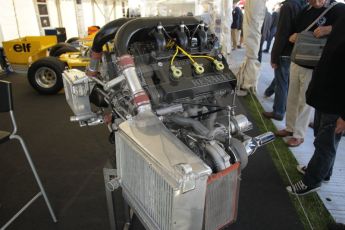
column 165, row 183
column 162, row 180
column 221, row 198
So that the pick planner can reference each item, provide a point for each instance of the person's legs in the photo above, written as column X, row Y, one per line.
column 238, row 34
column 270, row 38
column 281, row 75
column 241, row 38
column 260, row 50
column 269, row 91
column 293, row 97
column 304, row 110
column 234, row 38
column 326, row 143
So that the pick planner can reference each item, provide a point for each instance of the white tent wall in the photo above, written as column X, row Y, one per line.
column 27, row 22
column 89, row 18
column 69, row 19
column 99, row 11
column 25, row 14
column 53, row 14
column 1, row 36
column 118, row 10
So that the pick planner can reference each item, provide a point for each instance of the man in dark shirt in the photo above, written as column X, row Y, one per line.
column 326, row 94
column 280, row 56
column 297, row 111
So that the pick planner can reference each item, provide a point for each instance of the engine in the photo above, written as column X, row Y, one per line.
column 166, row 92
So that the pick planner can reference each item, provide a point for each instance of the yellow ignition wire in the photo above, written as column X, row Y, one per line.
column 185, row 53
column 173, row 58
column 170, row 44
column 203, row 56
column 219, row 65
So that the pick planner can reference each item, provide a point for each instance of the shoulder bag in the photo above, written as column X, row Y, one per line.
column 308, row 49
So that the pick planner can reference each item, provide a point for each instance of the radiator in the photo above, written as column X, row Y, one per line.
column 162, row 180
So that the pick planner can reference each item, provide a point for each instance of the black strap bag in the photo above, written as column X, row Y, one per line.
column 308, row 49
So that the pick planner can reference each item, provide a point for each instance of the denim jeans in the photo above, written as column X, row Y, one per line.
column 281, row 76
column 269, row 91
column 326, row 143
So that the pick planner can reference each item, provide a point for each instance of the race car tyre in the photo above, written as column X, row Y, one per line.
column 73, row 39
column 65, row 49
column 54, row 48
column 45, row 75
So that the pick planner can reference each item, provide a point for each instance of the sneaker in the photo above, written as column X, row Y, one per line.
column 301, row 189
column 302, row 169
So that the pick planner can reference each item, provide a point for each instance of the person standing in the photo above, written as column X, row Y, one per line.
column 236, row 26
column 273, row 28
column 241, row 30
column 280, row 56
column 326, row 94
column 297, row 111
column 265, row 32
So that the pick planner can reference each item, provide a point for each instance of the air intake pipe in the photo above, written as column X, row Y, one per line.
column 105, row 34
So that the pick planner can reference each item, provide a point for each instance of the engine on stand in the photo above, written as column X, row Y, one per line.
column 180, row 145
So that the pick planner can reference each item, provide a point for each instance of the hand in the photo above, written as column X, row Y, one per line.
column 293, row 37
column 274, row 65
column 322, row 31
column 340, row 126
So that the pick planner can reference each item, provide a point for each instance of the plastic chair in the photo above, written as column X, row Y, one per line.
column 6, row 106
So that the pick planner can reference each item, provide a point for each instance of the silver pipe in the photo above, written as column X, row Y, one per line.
column 186, row 121
column 140, row 98
column 132, row 80
column 98, row 81
column 113, row 82
column 264, row 138
column 253, row 143
column 169, row 109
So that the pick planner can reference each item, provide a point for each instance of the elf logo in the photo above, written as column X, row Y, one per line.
column 24, row 47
